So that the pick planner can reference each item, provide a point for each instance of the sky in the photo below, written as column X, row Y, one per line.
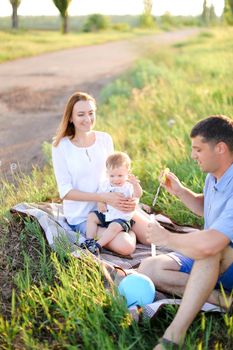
column 107, row 7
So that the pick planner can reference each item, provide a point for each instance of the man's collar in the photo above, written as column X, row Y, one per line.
column 224, row 180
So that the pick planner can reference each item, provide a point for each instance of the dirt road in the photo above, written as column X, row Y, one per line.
column 33, row 91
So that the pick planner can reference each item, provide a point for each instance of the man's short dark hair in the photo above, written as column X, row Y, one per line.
column 216, row 128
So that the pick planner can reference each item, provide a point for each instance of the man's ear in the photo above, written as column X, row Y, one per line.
column 221, row 147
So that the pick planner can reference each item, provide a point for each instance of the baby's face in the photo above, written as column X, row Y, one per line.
column 118, row 176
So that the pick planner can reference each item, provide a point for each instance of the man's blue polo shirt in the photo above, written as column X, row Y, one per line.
column 218, row 203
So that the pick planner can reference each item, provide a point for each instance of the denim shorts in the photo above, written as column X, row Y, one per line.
column 81, row 227
column 126, row 225
column 186, row 264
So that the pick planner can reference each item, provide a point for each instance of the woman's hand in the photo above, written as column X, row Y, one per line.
column 119, row 201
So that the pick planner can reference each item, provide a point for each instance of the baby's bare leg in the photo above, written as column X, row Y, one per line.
column 124, row 243
column 92, row 225
column 113, row 229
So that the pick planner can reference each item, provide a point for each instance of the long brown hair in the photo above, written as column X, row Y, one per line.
column 66, row 127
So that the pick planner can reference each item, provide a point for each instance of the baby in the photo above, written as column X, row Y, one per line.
column 119, row 179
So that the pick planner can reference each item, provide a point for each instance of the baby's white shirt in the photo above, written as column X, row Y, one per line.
column 113, row 213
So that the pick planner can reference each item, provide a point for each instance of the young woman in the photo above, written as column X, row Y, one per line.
column 79, row 154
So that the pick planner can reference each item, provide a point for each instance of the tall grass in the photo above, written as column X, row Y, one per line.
column 152, row 109
column 25, row 43
column 60, row 302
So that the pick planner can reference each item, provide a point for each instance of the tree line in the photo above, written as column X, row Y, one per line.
column 62, row 6
column 208, row 15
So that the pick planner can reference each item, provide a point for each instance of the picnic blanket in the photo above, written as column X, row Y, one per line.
column 51, row 218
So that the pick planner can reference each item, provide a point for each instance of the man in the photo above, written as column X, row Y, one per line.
column 203, row 259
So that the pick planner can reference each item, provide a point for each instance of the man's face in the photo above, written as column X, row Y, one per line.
column 205, row 154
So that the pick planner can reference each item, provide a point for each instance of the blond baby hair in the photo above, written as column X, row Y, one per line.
column 118, row 159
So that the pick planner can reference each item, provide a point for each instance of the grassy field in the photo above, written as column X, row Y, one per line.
column 25, row 43
column 52, row 301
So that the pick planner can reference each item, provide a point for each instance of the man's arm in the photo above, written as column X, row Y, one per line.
column 198, row 244
column 192, row 200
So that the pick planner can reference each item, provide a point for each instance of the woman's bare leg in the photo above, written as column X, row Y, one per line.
column 124, row 243
column 142, row 220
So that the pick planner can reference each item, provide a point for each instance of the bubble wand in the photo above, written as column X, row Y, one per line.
column 162, row 180
column 153, row 249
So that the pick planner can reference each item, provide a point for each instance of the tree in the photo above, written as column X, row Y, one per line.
column 230, row 2
column 205, row 13
column 212, row 15
column 208, row 15
column 147, row 19
column 148, row 4
column 62, row 6
column 228, row 12
column 15, row 4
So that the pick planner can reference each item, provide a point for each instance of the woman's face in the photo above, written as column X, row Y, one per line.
column 83, row 115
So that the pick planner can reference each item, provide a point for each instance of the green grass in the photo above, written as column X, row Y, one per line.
column 179, row 85
column 59, row 302
column 25, row 43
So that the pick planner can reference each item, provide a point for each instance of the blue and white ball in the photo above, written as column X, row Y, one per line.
column 137, row 289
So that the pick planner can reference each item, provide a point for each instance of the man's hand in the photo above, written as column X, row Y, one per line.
column 156, row 234
column 102, row 207
column 172, row 184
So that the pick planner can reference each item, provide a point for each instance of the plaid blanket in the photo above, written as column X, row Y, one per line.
column 52, row 221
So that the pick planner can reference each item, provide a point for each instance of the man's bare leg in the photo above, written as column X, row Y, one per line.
column 164, row 272
column 197, row 290
column 200, row 284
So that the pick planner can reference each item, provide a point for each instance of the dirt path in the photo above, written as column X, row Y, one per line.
column 33, row 91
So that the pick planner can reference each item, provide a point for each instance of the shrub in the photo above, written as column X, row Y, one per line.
column 95, row 23
column 146, row 21
column 122, row 27
column 118, row 88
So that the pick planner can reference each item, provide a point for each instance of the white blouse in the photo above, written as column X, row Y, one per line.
column 81, row 168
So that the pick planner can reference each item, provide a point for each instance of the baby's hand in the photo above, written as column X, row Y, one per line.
column 133, row 179
column 102, row 207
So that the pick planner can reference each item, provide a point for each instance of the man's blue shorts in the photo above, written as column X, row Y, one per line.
column 186, row 264
column 126, row 225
